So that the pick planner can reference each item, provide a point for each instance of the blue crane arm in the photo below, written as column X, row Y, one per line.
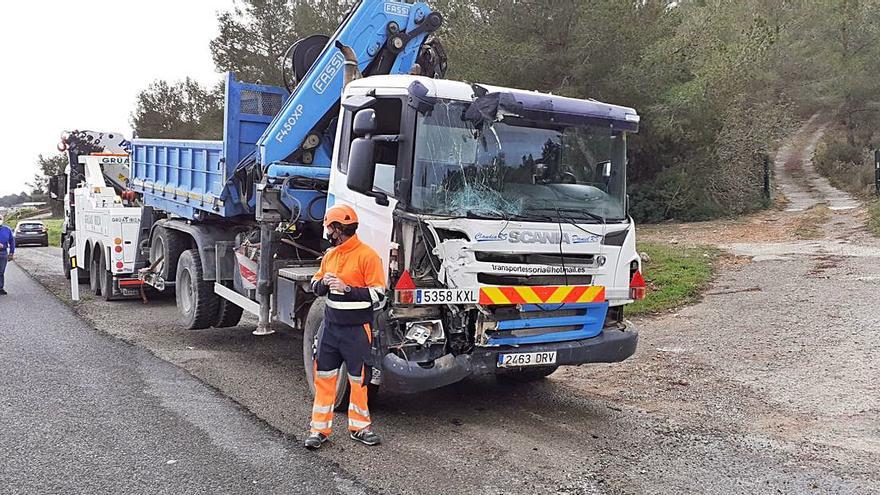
column 386, row 36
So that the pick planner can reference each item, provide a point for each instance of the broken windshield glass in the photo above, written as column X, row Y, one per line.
column 513, row 167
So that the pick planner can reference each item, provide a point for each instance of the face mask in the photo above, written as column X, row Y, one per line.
column 333, row 236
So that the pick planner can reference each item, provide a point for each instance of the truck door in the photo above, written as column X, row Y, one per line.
column 375, row 217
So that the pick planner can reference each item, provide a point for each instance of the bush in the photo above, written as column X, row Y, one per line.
column 674, row 193
column 849, row 167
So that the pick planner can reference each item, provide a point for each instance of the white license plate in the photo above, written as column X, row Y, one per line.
column 446, row 296
column 527, row 359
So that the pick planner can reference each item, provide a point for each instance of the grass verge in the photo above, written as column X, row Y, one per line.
column 874, row 217
column 675, row 276
column 54, row 226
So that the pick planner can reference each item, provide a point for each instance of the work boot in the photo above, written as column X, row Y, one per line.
column 3, row 292
column 366, row 437
column 315, row 440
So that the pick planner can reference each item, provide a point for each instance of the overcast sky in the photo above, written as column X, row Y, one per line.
column 79, row 65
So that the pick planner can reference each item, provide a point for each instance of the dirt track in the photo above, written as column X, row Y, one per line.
column 770, row 384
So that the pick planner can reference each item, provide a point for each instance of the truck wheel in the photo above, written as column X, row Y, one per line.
column 168, row 245
column 525, row 375
column 228, row 314
column 65, row 258
column 95, row 270
column 313, row 328
column 106, row 281
column 196, row 300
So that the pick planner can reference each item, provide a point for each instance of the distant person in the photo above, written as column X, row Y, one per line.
column 7, row 251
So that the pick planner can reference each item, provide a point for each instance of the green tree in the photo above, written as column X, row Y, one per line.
column 180, row 110
column 255, row 34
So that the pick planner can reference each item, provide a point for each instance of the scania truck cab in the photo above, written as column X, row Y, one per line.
column 501, row 217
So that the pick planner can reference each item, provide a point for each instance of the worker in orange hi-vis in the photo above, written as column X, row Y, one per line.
column 353, row 280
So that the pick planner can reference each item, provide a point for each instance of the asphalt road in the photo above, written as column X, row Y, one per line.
column 82, row 412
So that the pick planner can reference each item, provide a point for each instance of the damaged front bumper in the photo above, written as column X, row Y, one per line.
column 399, row 375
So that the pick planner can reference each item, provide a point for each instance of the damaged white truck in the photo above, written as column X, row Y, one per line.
column 500, row 214
column 511, row 251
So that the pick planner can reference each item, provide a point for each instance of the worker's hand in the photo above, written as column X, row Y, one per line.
column 338, row 285
column 2, row 246
column 328, row 278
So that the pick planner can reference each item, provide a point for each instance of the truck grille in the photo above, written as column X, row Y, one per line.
column 536, row 258
column 533, row 280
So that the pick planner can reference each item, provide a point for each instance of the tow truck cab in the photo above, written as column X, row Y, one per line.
column 501, row 217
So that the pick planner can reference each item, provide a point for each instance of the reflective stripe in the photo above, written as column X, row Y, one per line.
column 346, row 305
column 322, row 409
column 356, row 379
column 327, row 374
column 362, row 412
column 322, row 425
column 358, row 424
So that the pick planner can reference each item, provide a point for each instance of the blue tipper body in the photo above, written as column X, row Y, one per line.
column 187, row 176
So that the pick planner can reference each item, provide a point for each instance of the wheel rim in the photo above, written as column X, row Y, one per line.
column 186, row 292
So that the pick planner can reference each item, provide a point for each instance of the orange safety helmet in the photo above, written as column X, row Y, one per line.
column 343, row 214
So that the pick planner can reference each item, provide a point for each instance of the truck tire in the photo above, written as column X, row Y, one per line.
column 95, row 270
column 106, row 281
column 196, row 300
column 169, row 245
column 228, row 314
column 65, row 257
column 313, row 328
column 525, row 375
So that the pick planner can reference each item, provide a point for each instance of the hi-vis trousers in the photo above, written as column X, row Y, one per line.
column 338, row 344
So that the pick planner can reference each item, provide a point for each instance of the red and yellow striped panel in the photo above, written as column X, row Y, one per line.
column 542, row 295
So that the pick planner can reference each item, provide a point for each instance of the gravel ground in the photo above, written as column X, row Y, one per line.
column 770, row 384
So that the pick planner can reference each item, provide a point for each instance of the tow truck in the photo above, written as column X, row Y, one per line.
column 500, row 214
column 100, row 231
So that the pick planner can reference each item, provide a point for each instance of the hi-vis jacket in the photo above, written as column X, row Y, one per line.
column 360, row 268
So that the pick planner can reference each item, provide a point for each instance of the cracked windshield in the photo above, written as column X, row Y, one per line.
column 514, row 168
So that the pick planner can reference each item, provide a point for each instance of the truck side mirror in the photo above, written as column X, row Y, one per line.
column 361, row 165
column 604, row 169
column 365, row 122
column 362, row 169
